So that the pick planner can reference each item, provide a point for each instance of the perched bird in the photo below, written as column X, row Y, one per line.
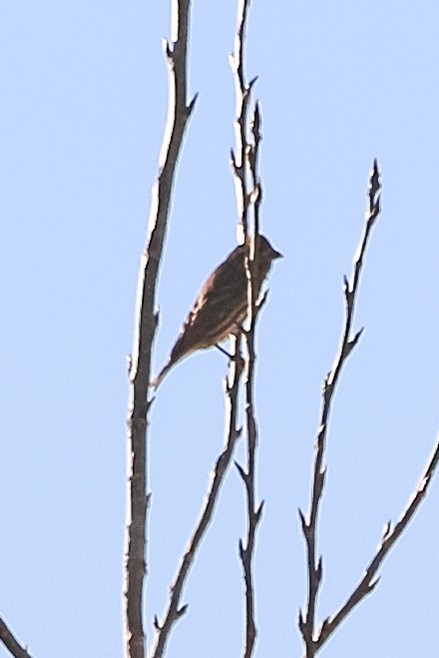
column 221, row 306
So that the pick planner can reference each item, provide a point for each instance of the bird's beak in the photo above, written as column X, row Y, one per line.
column 277, row 254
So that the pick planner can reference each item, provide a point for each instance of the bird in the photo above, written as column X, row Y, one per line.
column 222, row 304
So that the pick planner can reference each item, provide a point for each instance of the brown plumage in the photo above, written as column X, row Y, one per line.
column 221, row 306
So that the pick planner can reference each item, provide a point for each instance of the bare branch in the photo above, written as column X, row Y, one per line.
column 389, row 538
column 174, row 612
column 309, row 525
column 146, row 321
column 253, row 514
column 242, row 95
column 244, row 163
column 11, row 643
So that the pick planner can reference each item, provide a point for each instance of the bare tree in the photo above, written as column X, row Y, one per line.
column 239, row 386
column 248, row 194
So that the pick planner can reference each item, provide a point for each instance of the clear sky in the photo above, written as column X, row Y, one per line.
column 84, row 91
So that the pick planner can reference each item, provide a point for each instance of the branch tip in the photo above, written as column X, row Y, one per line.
column 373, row 584
column 323, row 626
column 259, row 511
column 387, row 530
column 252, row 82
column 257, row 111
column 167, row 49
column 319, row 569
column 192, row 104
column 377, row 207
column 374, row 178
column 301, row 622
column 352, row 343
column 263, row 300
column 241, row 471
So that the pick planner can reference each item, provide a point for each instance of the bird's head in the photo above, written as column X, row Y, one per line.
column 265, row 251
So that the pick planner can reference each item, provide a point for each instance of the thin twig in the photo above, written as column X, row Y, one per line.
column 11, row 643
column 174, row 610
column 242, row 95
column 145, row 327
column 310, row 523
column 388, row 540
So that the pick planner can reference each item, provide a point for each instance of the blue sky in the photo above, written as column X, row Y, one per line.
column 84, row 95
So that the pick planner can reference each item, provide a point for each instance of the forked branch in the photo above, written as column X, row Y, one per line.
column 388, row 540
column 348, row 342
column 315, row 639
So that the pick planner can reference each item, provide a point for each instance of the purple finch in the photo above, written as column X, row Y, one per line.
column 221, row 306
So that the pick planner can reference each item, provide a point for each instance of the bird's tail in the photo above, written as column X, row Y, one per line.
column 155, row 383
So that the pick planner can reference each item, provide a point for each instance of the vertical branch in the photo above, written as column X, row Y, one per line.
column 145, row 327
column 309, row 524
column 254, row 513
column 242, row 95
column 244, row 163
